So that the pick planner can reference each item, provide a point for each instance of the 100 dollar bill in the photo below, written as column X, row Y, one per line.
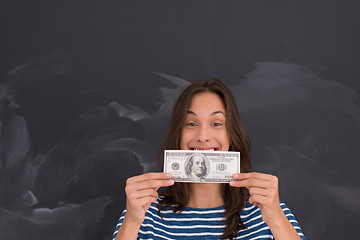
column 201, row 166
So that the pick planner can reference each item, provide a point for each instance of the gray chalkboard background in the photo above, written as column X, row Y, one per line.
column 87, row 88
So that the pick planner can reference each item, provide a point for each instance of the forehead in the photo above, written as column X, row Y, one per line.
column 206, row 102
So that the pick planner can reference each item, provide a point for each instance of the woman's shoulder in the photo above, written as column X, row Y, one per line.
column 251, row 217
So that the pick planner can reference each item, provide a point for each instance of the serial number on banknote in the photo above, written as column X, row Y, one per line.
column 201, row 166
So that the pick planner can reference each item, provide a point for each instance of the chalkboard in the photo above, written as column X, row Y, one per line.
column 87, row 88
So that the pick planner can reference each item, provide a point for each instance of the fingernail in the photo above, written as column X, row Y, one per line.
column 232, row 183
column 171, row 181
column 235, row 175
column 168, row 174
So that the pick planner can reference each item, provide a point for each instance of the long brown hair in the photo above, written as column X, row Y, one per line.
column 235, row 198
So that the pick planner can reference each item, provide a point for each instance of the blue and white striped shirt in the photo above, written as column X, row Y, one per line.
column 203, row 223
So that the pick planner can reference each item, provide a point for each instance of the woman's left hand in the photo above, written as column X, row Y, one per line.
column 264, row 192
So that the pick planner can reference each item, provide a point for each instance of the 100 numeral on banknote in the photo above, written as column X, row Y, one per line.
column 201, row 166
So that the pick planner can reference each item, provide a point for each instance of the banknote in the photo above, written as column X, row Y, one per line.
column 201, row 166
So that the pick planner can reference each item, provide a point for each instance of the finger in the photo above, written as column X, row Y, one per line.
column 264, row 201
column 261, row 176
column 153, row 184
column 259, row 191
column 251, row 182
column 150, row 184
column 143, row 201
column 142, row 193
column 148, row 176
column 257, row 199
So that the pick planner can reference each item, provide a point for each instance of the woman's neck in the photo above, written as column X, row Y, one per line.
column 206, row 195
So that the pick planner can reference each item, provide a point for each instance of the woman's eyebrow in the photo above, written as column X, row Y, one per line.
column 214, row 113
column 217, row 112
column 192, row 113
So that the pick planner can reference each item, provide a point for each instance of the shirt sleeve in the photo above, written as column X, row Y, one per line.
column 119, row 224
column 292, row 220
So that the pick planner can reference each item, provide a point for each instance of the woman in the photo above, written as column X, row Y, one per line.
column 206, row 117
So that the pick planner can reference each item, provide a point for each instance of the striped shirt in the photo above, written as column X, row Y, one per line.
column 203, row 223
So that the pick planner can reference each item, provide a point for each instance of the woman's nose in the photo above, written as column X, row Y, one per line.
column 203, row 134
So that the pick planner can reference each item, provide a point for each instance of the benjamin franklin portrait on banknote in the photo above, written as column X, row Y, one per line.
column 197, row 166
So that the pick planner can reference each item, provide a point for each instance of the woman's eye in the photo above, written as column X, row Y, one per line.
column 217, row 124
column 191, row 124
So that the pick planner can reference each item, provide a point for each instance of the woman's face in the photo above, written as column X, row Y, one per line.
column 204, row 127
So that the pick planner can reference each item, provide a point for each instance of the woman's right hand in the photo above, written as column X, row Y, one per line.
column 141, row 191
